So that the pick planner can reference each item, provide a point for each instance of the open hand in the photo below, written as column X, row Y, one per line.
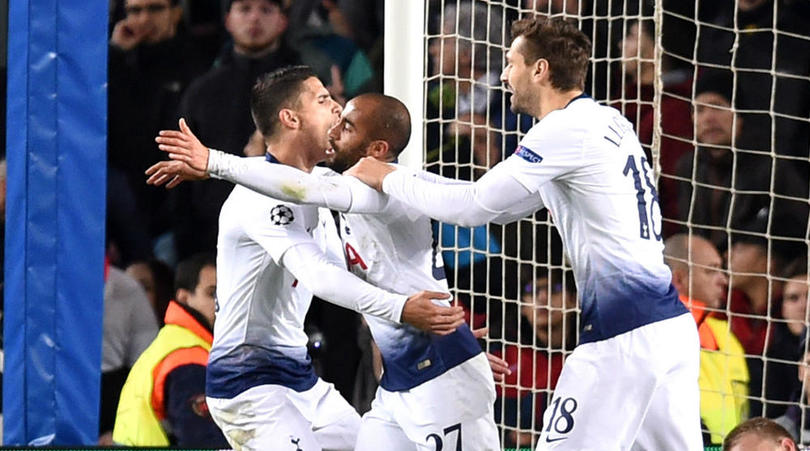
column 183, row 146
column 172, row 173
column 421, row 312
column 370, row 171
column 499, row 366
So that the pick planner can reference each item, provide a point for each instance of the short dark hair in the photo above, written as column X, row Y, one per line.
column 275, row 91
column 796, row 268
column 391, row 123
column 187, row 276
column 563, row 45
column 760, row 426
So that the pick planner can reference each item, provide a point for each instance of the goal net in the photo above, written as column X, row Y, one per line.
column 719, row 95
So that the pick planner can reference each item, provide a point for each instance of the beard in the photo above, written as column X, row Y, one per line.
column 343, row 159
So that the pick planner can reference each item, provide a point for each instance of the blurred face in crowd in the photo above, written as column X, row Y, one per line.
column 714, row 121
column 255, row 25
column 349, row 137
column 545, row 307
column 708, row 282
column 638, row 50
column 155, row 20
column 794, row 303
column 443, row 50
column 203, row 298
column 746, row 261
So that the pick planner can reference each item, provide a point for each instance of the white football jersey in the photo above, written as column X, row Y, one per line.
column 394, row 249
column 586, row 164
column 260, row 305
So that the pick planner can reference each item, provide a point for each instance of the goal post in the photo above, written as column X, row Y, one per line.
column 403, row 68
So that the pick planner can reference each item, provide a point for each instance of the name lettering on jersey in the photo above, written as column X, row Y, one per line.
column 353, row 258
column 281, row 215
column 423, row 364
column 617, row 130
column 528, row 155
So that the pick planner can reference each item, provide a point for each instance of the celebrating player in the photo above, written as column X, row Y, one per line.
column 435, row 391
column 261, row 387
column 632, row 381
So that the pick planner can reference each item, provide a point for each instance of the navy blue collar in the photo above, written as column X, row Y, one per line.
column 581, row 96
column 270, row 158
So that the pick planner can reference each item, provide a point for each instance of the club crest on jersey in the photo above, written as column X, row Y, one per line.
column 281, row 215
column 528, row 155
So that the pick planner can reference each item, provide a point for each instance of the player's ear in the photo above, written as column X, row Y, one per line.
column 288, row 118
column 378, row 150
column 182, row 295
column 541, row 68
column 679, row 276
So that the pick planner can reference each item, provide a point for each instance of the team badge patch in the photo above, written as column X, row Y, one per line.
column 281, row 215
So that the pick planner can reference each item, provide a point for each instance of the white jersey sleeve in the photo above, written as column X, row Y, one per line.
column 495, row 195
column 322, row 188
column 292, row 246
column 334, row 284
column 544, row 154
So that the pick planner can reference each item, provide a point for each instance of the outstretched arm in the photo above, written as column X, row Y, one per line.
column 289, row 184
column 496, row 194
column 278, row 181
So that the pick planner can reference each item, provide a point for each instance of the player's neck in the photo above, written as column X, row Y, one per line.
column 553, row 100
column 289, row 153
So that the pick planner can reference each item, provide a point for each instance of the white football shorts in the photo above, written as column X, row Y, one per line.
column 452, row 411
column 275, row 417
column 635, row 391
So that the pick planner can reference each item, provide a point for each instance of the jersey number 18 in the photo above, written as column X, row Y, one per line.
column 646, row 214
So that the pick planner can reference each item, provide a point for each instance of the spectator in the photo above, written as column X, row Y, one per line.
column 163, row 400
column 157, row 280
column 796, row 418
column 755, row 263
column 323, row 34
column 468, row 63
column 636, row 100
column 761, row 40
column 129, row 326
column 709, row 201
column 548, row 328
column 697, row 275
column 759, row 434
column 217, row 107
column 781, row 380
column 151, row 61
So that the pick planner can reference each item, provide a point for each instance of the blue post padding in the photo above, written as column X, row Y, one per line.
column 56, row 151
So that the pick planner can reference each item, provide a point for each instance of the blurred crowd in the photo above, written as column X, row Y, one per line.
column 723, row 111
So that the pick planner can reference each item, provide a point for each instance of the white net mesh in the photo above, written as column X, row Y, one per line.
column 719, row 93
